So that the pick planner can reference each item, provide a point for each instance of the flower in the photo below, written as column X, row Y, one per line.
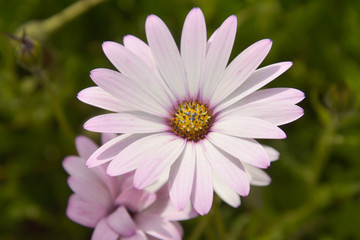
column 187, row 115
column 113, row 206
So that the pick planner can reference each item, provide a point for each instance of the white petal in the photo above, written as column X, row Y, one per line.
column 202, row 191
column 135, row 122
column 246, row 150
column 141, row 49
column 128, row 91
column 131, row 65
column 130, row 158
column 240, row 69
column 162, row 180
column 258, row 79
column 193, row 49
column 278, row 95
column 181, row 177
column 228, row 168
column 98, row 97
column 277, row 114
column 225, row 192
column 156, row 162
column 257, row 176
column 247, row 127
column 112, row 148
column 218, row 56
column 272, row 153
column 166, row 54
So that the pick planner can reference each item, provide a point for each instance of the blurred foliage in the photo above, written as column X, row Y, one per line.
column 315, row 189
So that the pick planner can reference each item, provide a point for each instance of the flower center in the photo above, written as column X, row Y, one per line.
column 192, row 120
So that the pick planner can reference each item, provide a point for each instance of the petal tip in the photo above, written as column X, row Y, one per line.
column 89, row 164
column 282, row 135
column 151, row 18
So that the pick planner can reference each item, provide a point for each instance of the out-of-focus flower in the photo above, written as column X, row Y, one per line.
column 113, row 206
column 187, row 115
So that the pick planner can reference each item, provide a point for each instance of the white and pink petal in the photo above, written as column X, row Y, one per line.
column 202, row 190
column 193, row 49
column 181, row 177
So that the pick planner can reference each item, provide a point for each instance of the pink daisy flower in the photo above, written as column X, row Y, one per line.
column 114, row 207
column 186, row 116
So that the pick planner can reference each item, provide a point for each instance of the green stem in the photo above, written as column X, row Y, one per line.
column 42, row 29
column 323, row 197
column 325, row 140
column 58, row 111
column 200, row 227
column 218, row 219
column 323, row 151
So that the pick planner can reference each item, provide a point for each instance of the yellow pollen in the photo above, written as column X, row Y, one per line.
column 192, row 120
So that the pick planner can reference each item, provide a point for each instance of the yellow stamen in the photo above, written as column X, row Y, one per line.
column 192, row 120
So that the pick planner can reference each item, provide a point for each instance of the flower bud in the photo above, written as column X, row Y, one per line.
column 340, row 98
column 29, row 52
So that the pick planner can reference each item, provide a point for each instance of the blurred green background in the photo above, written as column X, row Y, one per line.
column 315, row 192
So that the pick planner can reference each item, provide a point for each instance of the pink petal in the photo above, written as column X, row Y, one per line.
column 130, row 92
column 258, row 79
column 112, row 148
column 135, row 200
column 247, row 127
column 164, row 208
column 246, row 150
column 218, row 56
column 105, row 137
column 193, row 49
column 257, row 176
column 157, row 161
column 240, row 69
column 91, row 191
column 83, row 212
column 75, row 167
column 157, row 227
column 104, row 232
column 139, row 235
column 132, row 66
column 181, row 177
column 225, row 192
column 136, row 122
column 228, row 168
column 85, row 146
column 121, row 222
column 98, row 97
column 130, row 158
column 166, row 54
column 202, row 191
